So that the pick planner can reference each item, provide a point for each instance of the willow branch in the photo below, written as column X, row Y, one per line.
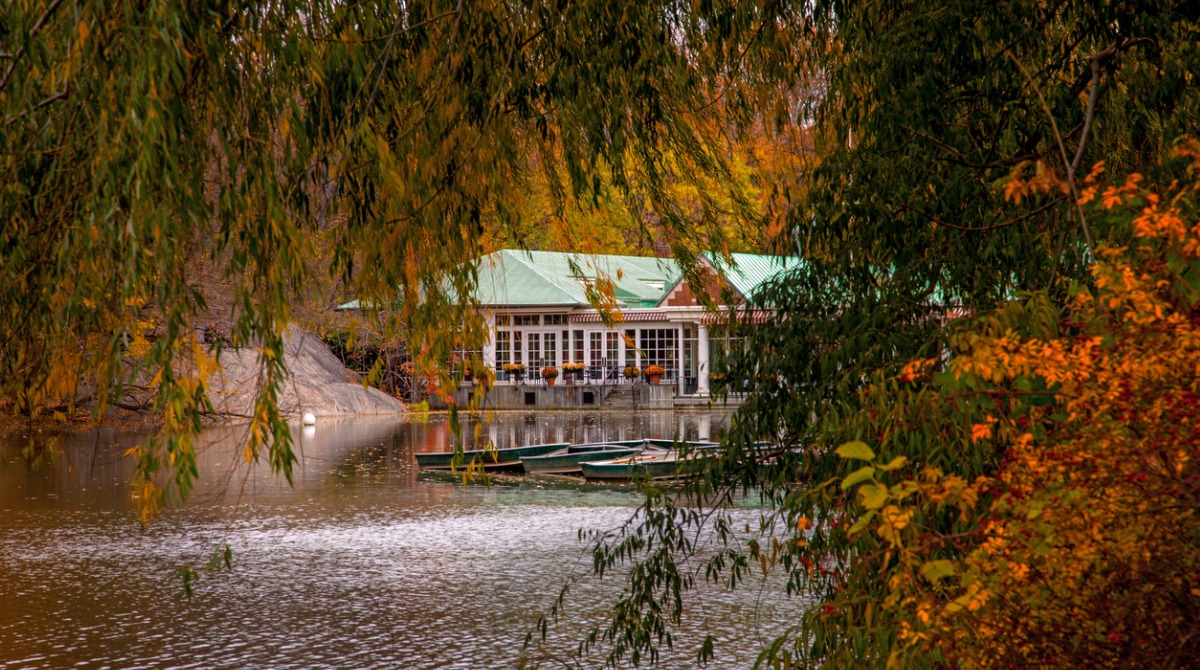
column 37, row 27
column 396, row 31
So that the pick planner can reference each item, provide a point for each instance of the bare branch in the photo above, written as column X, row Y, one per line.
column 1093, row 94
column 1062, row 149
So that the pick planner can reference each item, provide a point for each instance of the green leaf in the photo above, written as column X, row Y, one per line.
column 860, row 475
column 856, row 450
column 825, row 483
column 935, row 570
column 904, row 489
column 895, row 463
column 1041, row 400
column 1035, row 511
column 861, row 523
column 873, row 496
column 958, row 604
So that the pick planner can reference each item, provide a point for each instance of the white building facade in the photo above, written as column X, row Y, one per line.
column 540, row 311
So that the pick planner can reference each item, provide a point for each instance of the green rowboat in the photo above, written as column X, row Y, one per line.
column 653, row 464
column 675, row 444
column 496, row 459
column 566, row 461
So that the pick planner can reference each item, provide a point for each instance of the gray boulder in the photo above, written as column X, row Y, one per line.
column 317, row 382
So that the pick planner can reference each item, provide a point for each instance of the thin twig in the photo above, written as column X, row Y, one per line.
column 960, row 159
column 1003, row 224
column 61, row 95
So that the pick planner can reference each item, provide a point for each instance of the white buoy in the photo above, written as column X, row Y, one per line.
column 309, row 419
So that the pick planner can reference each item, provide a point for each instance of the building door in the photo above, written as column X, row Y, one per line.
column 595, row 349
column 611, row 348
column 533, row 350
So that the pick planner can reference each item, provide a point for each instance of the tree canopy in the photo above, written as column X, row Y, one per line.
column 145, row 143
column 980, row 181
column 953, row 218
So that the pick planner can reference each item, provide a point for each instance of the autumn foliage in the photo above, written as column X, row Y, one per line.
column 1083, row 549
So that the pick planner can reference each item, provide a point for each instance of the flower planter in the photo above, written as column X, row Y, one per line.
column 654, row 379
column 550, row 381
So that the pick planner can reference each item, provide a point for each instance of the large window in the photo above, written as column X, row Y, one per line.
column 517, row 348
column 526, row 319
column 660, row 347
column 579, row 347
column 722, row 343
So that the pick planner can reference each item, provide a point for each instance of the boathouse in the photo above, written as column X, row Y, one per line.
column 541, row 311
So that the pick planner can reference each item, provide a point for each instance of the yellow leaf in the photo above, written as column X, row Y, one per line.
column 872, row 496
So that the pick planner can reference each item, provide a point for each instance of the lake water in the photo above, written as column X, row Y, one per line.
column 362, row 563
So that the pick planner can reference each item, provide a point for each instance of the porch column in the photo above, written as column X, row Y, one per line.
column 702, row 359
column 679, row 360
column 489, row 347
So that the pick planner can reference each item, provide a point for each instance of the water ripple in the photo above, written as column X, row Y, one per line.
column 372, row 569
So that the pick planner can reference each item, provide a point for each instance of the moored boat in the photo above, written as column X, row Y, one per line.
column 675, row 444
column 658, row 464
column 566, row 461
column 490, row 459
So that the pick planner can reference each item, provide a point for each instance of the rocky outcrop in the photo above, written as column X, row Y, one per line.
column 317, row 382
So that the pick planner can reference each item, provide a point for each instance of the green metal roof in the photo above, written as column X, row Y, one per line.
column 748, row 272
column 516, row 278
column 513, row 278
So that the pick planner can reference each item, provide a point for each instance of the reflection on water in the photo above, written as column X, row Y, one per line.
column 359, row 564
